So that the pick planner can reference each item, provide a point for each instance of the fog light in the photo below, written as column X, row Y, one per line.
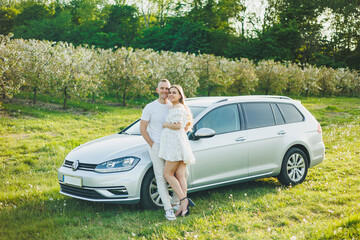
column 120, row 191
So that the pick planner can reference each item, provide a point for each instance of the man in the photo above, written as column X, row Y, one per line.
column 152, row 118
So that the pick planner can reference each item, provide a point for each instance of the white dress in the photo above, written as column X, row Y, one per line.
column 174, row 144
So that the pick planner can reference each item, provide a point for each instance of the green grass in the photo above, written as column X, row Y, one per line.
column 34, row 140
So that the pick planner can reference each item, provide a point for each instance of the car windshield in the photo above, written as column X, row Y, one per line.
column 134, row 128
column 196, row 110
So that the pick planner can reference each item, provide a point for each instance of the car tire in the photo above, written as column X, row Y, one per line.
column 294, row 167
column 149, row 195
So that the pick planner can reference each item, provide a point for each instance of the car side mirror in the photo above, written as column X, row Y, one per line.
column 204, row 133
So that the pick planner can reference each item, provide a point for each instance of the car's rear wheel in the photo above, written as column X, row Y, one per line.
column 150, row 197
column 294, row 167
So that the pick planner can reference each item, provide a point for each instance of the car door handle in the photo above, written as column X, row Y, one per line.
column 282, row 132
column 240, row 139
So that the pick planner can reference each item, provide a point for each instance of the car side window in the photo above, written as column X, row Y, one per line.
column 278, row 117
column 222, row 119
column 258, row 115
column 290, row 113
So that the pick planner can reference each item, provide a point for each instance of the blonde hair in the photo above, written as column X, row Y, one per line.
column 189, row 124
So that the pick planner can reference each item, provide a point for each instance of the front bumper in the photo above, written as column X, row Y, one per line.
column 119, row 187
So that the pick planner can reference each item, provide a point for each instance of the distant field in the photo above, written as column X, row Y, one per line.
column 34, row 140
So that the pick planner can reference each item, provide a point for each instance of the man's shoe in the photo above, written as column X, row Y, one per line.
column 170, row 215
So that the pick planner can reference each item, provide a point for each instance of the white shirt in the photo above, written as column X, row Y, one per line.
column 155, row 113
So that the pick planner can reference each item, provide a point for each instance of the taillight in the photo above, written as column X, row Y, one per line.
column 319, row 128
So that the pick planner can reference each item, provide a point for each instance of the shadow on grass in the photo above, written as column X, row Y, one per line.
column 252, row 188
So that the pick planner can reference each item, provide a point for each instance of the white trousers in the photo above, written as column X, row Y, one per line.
column 158, row 167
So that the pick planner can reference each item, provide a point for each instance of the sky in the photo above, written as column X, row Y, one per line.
column 257, row 8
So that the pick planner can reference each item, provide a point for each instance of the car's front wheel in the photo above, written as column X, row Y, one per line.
column 149, row 196
column 294, row 167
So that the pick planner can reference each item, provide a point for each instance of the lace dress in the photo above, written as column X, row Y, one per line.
column 174, row 144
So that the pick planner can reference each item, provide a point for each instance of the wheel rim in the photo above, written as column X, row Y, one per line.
column 296, row 167
column 154, row 193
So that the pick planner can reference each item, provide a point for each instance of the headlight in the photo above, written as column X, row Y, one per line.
column 117, row 165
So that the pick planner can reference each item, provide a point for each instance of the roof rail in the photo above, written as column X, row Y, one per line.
column 229, row 98
column 274, row 96
column 262, row 96
column 217, row 99
column 222, row 100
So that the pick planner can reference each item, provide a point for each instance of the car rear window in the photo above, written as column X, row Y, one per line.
column 258, row 115
column 290, row 113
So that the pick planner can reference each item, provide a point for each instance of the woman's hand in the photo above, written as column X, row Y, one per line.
column 173, row 126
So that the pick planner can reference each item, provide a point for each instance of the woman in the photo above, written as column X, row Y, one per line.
column 175, row 147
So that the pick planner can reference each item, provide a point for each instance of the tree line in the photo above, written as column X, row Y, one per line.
column 315, row 32
column 68, row 71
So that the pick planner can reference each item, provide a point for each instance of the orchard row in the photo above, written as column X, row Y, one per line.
column 65, row 71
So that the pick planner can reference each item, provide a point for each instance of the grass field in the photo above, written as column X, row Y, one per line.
column 34, row 140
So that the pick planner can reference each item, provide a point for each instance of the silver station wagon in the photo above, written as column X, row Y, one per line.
column 234, row 139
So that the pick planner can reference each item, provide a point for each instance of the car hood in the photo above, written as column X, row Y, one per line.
column 108, row 148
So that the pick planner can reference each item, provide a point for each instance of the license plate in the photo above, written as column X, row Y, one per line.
column 76, row 181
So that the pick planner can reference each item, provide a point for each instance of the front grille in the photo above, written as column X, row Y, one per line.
column 121, row 192
column 82, row 166
column 81, row 192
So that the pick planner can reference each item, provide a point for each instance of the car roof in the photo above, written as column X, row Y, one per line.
column 208, row 101
column 204, row 101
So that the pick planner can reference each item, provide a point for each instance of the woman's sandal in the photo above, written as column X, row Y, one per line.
column 187, row 211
